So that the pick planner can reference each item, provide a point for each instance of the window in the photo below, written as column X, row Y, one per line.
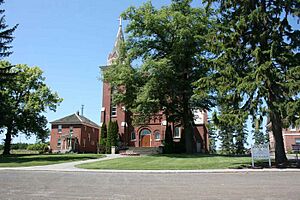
column 132, row 136
column 58, row 142
column 89, row 136
column 293, row 128
column 83, row 142
column 59, row 128
column 177, row 132
column 92, row 142
column 297, row 141
column 114, row 111
column 71, row 129
column 157, row 135
column 145, row 132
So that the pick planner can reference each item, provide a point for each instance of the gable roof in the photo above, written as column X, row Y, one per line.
column 75, row 119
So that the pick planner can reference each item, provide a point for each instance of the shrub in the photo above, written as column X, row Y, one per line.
column 40, row 147
column 19, row 146
column 103, row 136
column 112, row 135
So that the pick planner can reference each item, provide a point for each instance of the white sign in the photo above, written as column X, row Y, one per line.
column 260, row 152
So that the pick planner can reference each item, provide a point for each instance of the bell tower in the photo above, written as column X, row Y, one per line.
column 109, row 111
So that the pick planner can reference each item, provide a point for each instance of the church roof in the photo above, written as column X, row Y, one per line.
column 75, row 119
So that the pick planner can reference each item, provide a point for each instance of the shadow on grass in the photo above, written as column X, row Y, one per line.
column 25, row 158
column 184, row 155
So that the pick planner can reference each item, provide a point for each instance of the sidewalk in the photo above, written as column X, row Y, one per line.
column 70, row 167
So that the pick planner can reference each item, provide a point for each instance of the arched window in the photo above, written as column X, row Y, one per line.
column 145, row 132
column 132, row 137
column 157, row 135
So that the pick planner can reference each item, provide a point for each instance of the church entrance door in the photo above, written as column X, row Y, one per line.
column 145, row 138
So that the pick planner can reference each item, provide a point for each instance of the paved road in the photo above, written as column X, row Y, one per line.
column 97, row 185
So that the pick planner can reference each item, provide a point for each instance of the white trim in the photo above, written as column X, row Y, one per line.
column 291, row 134
column 164, row 123
column 78, row 117
column 102, row 109
column 123, row 124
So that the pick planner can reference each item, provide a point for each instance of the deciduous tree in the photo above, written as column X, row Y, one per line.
column 26, row 98
column 164, row 56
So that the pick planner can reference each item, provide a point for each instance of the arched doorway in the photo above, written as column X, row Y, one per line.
column 145, row 135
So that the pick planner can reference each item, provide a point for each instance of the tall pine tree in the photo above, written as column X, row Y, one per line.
column 6, row 37
column 256, row 59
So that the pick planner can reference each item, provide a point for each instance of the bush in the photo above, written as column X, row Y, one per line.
column 103, row 136
column 112, row 135
column 19, row 146
column 40, row 147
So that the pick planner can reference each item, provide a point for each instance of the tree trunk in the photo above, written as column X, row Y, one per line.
column 188, row 133
column 7, row 141
column 280, row 157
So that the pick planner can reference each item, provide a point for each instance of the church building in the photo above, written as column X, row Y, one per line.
column 152, row 133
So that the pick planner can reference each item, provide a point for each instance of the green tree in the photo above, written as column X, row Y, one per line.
column 231, row 130
column 103, row 136
column 169, row 45
column 42, row 136
column 112, row 135
column 212, row 135
column 258, row 135
column 255, row 58
column 108, row 139
column 25, row 99
column 6, row 37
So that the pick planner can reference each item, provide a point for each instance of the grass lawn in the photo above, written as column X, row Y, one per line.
column 24, row 160
column 171, row 162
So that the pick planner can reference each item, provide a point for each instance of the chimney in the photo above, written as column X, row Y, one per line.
column 77, row 112
column 82, row 107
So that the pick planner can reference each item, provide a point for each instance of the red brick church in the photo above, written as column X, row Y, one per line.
column 151, row 134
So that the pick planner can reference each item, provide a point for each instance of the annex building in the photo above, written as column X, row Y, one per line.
column 291, row 136
column 152, row 133
column 74, row 133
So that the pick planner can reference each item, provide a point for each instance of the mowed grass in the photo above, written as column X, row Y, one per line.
column 171, row 162
column 25, row 160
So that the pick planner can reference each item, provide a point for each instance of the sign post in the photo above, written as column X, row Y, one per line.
column 260, row 152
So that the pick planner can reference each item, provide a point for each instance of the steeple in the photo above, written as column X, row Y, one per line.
column 120, row 38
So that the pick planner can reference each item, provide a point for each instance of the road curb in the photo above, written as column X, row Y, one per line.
column 158, row 171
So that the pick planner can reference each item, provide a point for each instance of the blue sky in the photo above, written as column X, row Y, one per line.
column 68, row 40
